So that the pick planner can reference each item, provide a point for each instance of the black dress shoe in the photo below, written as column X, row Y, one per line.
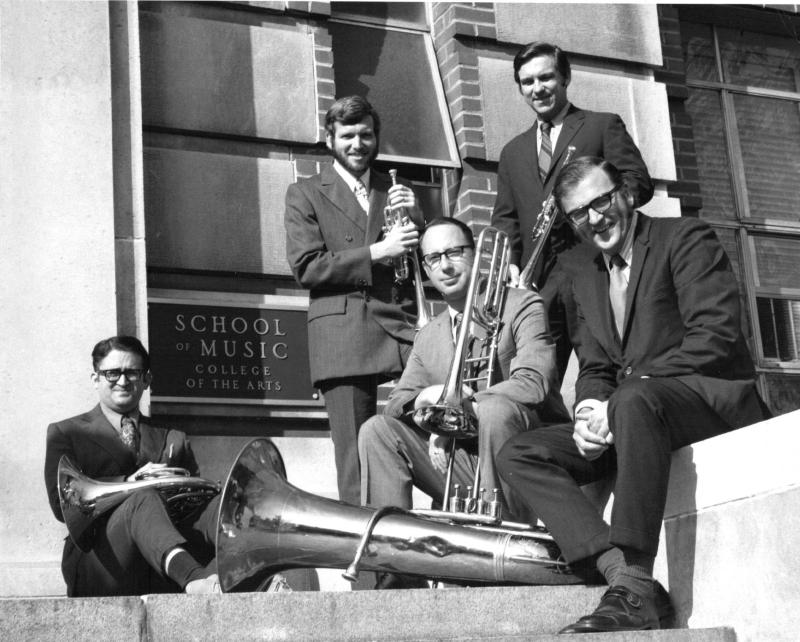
column 624, row 610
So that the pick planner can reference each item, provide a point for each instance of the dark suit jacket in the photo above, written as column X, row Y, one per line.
column 520, row 191
column 525, row 356
column 92, row 444
column 682, row 320
column 356, row 314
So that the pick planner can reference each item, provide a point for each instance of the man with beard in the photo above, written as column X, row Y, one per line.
column 529, row 166
column 360, row 319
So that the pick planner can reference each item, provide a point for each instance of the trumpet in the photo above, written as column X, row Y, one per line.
column 399, row 216
column 540, row 232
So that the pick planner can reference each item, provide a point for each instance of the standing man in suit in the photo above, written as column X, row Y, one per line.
column 135, row 548
column 397, row 452
column 663, row 364
column 529, row 167
column 360, row 320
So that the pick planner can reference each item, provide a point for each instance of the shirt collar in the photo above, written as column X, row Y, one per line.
column 115, row 418
column 348, row 178
column 627, row 247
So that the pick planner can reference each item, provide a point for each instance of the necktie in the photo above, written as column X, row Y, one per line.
column 617, row 290
column 362, row 196
column 545, row 151
column 129, row 433
column 457, row 325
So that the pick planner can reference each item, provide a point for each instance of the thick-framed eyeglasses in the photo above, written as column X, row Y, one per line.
column 601, row 204
column 112, row 376
column 434, row 259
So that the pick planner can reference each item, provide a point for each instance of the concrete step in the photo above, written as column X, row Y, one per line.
column 486, row 613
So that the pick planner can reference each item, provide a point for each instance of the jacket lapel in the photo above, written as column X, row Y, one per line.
column 598, row 309
column 641, row 246
column 102, row 433
column 335, row 190
column 152, row 441
column 573, row 122
column 379, row 186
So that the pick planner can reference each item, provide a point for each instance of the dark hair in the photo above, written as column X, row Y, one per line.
column 447, row 220
column 536, row 49
column 123, row 343
column 575, row 171
column 351, row 110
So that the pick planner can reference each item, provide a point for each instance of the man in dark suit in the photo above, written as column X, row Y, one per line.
column 663, row 364
column 134, row 549
column 397, row 450
column 529, row 167
column 360, row 318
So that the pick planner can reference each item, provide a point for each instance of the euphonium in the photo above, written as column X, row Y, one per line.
column 267, row 525
column 84, row 500
column 400, row 214
column 541, row 230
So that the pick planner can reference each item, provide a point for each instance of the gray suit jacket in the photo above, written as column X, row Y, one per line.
column 525, row 357
column 357, row 317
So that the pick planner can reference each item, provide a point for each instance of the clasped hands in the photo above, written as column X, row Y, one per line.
column 591, row 432
column 438, row 444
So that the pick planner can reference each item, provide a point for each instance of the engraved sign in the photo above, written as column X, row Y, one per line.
column 230, row 351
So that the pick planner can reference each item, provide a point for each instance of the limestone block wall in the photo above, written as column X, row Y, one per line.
column 57, row 258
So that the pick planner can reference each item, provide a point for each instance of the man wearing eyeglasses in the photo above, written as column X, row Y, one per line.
column 135, row 548
column 396, row 451
column 528, row 168
column 663, row 364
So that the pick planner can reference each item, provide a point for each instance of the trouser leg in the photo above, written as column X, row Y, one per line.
column 499, row 419
column 394, row 459
column 650, row 418
column 350, row 402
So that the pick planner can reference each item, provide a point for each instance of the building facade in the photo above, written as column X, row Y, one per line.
column 147, row 147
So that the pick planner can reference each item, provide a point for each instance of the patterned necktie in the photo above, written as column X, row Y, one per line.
column 617, row 290
column 129, row 433
column 545, row 151
column 362, row 196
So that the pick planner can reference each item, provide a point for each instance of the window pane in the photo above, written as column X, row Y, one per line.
column 777, row 264
column 769, row 130
column 393, row 71
column 783, row 392
column 780, row 328
column 712, row 156
column 759, row 59
column 399, row 14
column 698, row 51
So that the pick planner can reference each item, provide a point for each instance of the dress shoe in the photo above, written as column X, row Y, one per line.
column 398, row 581
column 624, row 610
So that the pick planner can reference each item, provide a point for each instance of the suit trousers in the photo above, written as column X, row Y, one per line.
column 350, row 401
column 129, row 547
column 394, row 455
column 649, row 418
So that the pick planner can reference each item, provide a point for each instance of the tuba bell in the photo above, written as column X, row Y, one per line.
column 266, row 525
column 84, row 500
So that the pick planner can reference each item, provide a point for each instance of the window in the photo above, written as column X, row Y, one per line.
column 744, row 100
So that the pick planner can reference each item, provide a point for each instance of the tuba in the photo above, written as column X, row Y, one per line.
column 266, row 525
column 483, row 309
column 84, row 500
column 541, row 231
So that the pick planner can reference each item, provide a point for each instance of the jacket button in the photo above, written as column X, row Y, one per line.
column 348, row 238
column 628, row 371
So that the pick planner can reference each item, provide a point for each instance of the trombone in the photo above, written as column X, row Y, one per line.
column 448, row 416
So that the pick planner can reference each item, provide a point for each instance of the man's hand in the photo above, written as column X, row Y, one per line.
column 403, row 196
column 399, row 240
column 148, row 470
column 513, row 275
column 591, row 433
column 437, row 450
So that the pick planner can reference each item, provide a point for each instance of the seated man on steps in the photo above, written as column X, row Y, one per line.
column 396, row 453
column 662, row 364
column 135, row 547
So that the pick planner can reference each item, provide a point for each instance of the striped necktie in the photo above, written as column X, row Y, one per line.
column 617, row 290
column 362, row 196
column 129, row 433
column 545, row 151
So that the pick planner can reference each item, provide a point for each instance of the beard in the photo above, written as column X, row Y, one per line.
column 355, row 167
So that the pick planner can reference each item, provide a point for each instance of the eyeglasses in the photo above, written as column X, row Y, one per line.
column 112, row 376
column 433, row 259
column 601, row 204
